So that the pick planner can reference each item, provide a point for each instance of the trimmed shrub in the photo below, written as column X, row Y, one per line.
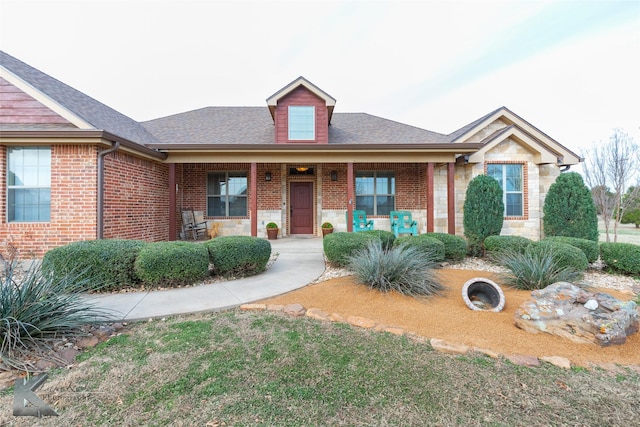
column 172, row 263
column 565, row 255
column 429, row 246
column 497, row 244
column 238, row 255
column 455, row 247
column 483, row 212
column 569, row 209
column 405, row 269
column 108, row 263
column 624, row 257
column 534, row 269
column 589, row 247
column 339, row 246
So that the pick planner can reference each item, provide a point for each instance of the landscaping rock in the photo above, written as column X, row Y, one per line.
column 361, row 322
column 447, row 347
column 316, row 313
column 253, row 307
column 560, row 362
column 560, row 310
column 87, row 342
column 296, row 310
column 522, row 360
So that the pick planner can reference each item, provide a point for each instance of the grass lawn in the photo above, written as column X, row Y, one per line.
column 627, row 233
column 239, row 368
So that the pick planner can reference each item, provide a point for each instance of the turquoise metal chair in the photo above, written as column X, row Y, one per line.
column 360, row 222
column 401, row 223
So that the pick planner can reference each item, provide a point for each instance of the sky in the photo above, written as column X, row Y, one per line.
column 570, row 68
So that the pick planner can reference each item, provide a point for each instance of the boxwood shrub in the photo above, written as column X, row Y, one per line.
column 455, row 247
column 497, row 244
column 624, row 257
column 431, row 247
column 172, row 263
column 339, row 246
column 565, row 255
column 106, row 264
column 589, row 247
column 238, row 255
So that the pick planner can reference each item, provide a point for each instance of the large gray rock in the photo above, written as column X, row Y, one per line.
column 568, row 311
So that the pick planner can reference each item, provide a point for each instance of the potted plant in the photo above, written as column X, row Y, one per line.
column 327, row 228
column 272, row 231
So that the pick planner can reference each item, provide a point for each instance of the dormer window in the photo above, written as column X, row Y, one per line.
column 302, row 123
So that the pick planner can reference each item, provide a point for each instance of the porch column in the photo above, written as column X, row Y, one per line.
column 173, row 189
column 451, row 202
column 254, row 199
column 430, row 198
column 350, row 197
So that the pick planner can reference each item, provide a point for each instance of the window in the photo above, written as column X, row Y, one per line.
column 375, row 192
column 227, row 194
column 510, row 178
column 302, row 123
column 29, row 184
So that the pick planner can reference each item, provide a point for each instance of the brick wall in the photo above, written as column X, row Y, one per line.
column 136, row 198
column 73, row 204
column 303, row 97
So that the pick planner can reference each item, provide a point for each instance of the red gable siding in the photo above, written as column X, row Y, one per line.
column 301, row 96
column 18, row 107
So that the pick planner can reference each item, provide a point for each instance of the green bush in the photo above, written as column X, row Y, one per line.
column 534, row 269
column 404, row 269
column 569, row 209
column 35, row 307
column 565, row 255
column 172, row 263
column 106, row 262
column 483, row 212
column 429, row 246
column 496, row 244
column 589, row 247
column 238, row 255
column 339, row 246
column 632, row 216
column 455, row 247
column 624, row 257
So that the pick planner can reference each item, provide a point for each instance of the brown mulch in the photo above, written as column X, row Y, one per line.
column 447, row 317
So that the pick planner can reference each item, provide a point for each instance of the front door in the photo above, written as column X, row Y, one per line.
column 301, row 208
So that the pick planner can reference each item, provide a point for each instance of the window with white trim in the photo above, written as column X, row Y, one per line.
column 510, row 178
column 29, row 184
column 302, row 123
column 227, row 194
column 375, row 192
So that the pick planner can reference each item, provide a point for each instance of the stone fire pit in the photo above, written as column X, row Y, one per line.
column 482, row 294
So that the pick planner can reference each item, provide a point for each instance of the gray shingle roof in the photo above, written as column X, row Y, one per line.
column 458, row 133
column 253, row 125
column 95, row 113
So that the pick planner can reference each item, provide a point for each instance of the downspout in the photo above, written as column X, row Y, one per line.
column 101, row 156
column 564, row 168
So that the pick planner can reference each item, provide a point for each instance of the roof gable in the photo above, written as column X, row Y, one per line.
column 520, row 130
column 80, row 109
column 329, row 101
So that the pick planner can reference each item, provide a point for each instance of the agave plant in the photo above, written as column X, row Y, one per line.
column 404, row 269
column 534, row 269
column 35, row 308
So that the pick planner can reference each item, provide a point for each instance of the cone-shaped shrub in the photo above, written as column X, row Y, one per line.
column 483, row 212
column 569, row 209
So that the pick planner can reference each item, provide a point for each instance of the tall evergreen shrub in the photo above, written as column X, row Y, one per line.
column 483, row 212
column 569, row 209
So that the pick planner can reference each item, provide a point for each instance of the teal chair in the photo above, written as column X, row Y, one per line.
column 401, row 223
column 360, row 222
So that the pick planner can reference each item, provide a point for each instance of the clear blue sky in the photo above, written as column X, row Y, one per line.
column 571, row 68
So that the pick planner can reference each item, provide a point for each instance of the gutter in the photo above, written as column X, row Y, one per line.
column 100, row 216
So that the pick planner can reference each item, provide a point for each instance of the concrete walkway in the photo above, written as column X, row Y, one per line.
column 299, row 262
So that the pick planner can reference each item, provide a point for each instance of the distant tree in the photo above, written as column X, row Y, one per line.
column 483, row 212
column 613, row 165
column 569, row 209
column 632, row 214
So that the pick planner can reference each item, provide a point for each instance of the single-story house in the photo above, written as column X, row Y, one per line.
column 72, row 168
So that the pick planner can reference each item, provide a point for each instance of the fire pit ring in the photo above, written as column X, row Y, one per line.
column 482, row 294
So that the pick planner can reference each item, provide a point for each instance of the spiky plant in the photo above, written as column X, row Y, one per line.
column 534, row 269
column 404, row 269
column 35, row 308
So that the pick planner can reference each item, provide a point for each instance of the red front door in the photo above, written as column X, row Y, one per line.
column 301, row 208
